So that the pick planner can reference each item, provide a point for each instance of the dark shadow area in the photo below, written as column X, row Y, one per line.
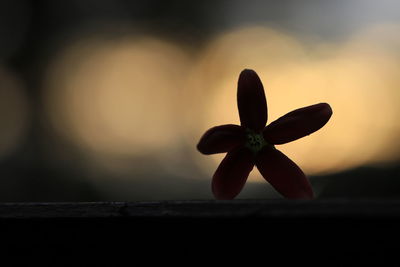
column 363, row 182
column 311, row 240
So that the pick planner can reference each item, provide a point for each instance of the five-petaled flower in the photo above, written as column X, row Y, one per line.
column 252, row 143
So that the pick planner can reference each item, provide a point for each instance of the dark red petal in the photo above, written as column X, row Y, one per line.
column 283, row 174
column 232, row 173
column 297, row 124
column 251, row 100
column 221, row 139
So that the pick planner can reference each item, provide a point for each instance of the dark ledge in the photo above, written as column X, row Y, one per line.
column 206, row 209
column 129, row 230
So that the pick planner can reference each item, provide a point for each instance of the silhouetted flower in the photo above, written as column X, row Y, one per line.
column 253, row 144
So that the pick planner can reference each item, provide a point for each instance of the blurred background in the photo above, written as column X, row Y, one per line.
column 106, row 100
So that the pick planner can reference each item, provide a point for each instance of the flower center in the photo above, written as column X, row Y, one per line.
column 255, row 142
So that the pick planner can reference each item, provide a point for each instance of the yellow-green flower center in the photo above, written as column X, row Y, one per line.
column 255, row 141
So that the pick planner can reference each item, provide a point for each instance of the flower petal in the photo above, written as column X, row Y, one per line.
column 283, row 174
column 297, row 124
column 221, row 139
column 232, row 173
column 251, row 100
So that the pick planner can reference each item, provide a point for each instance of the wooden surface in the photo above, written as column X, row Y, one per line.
column 284, row 209
column 275, row 232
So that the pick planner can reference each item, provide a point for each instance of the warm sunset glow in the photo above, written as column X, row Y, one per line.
column 142, row 96
column 359, row 79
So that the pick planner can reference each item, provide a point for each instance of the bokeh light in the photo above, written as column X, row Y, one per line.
column 118, row 96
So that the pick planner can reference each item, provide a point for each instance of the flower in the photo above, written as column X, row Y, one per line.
column 253, row 143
